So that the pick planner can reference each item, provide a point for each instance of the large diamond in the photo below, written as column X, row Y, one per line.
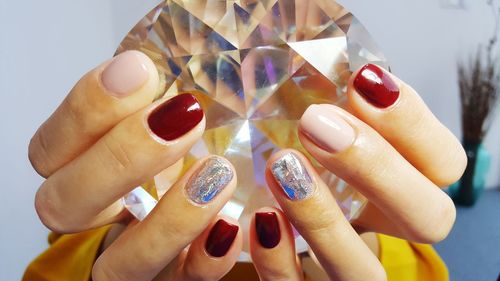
column 255, row 66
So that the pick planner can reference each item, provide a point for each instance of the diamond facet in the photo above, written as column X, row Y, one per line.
column 255, row 66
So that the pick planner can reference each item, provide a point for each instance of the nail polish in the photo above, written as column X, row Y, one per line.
column 293, row 177
column 209, row 180
column 268, row 229
column 326, row 128
column 126, row 73
column 220, row 238
column 376, row 86
column 175, row 117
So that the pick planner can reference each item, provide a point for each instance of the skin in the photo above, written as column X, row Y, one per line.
column 94, row 133
column 401, row 174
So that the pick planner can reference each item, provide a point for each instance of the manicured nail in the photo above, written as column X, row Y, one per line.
column 126, row 73
column 323, row 125
column 376, row 86
column 175, row 117
column 209, row 180
column 221, row 238
column 268, row 229
column 293, row 177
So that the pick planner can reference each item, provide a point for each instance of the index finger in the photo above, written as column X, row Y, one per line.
column 101, row 99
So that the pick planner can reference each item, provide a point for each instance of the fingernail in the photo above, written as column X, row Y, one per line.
column 209, row 180
column 268, row 229
column 221, row 238
column 376, row 86
column 126, row 73
column 175, row 117
column 292, row 177
column 322, row 125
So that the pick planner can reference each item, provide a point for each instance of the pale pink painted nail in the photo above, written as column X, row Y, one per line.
column 126, row 73
column 324, row 126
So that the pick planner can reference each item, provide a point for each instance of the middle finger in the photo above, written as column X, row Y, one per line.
column 85, row 193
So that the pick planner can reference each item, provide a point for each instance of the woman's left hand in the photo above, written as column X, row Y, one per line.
column 389, row 147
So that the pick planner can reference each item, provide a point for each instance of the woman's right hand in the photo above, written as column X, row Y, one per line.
column 105, row 139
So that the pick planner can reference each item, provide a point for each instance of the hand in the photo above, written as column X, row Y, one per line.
column 390, row 147
column 105, row 139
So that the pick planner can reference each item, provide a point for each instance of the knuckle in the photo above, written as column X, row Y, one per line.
column 379, row 273
column 276, row 274
column 192, row 273
column 331, row 220
column 458, row 162
column 440, row 226
column 444, row 220
column 47, row 212
column 52, row 213
column 115, row 154
column 103, row 271
column 82, row 111
column 449, row 167
column 74, row 108
column 38, row 154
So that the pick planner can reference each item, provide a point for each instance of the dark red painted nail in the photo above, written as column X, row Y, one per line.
column 268, row 229
column 376, row 86
column 221, row 238
column 175, row 117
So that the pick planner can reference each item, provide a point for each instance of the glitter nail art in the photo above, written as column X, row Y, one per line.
column 293, row 177
column 209, row 180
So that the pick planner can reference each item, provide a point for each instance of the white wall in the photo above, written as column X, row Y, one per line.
column 45, row 46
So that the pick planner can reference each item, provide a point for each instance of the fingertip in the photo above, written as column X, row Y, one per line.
column 272, row 245
column 215, row 251
column 267, row 228
column 374, row 87
column 293, row 172
column 174, row 119
column 326, row 128
column 127, row 72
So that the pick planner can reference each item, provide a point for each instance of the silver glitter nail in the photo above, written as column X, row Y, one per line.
column 209, row 180
column 293, row 177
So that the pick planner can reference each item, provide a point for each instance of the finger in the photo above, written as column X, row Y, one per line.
column 180, row 216
column 398, row 113
column 103, row 97
column 311, row 208
column 212, row 255
column 272, row 246
column 356, row 153
column 85, row 193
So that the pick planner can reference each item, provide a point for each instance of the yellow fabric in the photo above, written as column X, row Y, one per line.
column 405, row 261
column 70, row 257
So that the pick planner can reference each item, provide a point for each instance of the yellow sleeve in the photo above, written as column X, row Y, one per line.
column 407, row 261
column 70, row 257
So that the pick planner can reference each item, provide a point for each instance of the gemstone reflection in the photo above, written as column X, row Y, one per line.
column 255, row 66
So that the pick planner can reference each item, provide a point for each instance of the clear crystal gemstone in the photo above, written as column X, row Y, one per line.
column 139, row 203
column 255, row 66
